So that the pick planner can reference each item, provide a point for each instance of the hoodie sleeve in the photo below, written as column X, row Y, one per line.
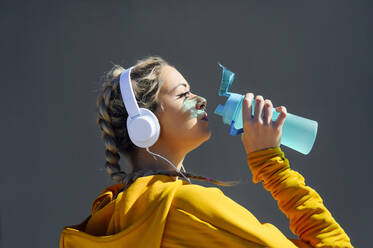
column 309, row 219
column 205, row 214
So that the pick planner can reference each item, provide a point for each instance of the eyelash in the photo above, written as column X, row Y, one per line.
column 184, row 94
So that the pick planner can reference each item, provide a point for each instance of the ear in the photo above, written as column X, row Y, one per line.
column 159, row 110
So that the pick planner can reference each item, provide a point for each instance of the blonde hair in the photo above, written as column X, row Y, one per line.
column 112, row 118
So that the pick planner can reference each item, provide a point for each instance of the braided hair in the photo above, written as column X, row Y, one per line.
column 112, row 118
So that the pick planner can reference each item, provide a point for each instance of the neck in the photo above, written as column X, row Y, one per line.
column 144, row 160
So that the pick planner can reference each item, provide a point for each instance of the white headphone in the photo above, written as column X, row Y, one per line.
column 142, row 124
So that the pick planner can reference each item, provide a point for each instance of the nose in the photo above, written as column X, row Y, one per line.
column 201, row 103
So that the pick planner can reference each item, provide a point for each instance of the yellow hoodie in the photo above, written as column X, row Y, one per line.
column 156, row 211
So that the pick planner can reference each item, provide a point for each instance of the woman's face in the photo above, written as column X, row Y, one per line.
column 181, row 112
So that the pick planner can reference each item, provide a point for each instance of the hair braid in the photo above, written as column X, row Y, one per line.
column 108, row 134
column 131, row 177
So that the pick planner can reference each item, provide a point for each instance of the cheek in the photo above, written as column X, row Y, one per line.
column 177, row 124
column 189, row 108
column 180, row 120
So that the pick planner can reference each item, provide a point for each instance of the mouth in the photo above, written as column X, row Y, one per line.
column 204, row 117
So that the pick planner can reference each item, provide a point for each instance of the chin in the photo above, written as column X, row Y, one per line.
column 206, row 135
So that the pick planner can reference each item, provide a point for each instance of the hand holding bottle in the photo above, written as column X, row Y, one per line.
column 260, row 132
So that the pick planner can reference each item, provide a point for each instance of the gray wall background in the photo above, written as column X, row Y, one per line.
column 314, row 57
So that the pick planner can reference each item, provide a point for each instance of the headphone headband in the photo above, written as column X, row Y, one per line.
column 128, row 95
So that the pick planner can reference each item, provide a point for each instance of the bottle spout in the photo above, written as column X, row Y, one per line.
column 227, row 79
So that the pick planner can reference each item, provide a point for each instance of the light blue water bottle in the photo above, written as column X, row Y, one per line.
column 298, row 133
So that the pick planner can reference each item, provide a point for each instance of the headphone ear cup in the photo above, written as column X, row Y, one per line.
column 144, row 129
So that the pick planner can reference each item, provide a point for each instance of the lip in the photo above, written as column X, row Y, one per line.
column 204, row 117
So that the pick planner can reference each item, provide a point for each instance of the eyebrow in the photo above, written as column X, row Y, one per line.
column 181, row 84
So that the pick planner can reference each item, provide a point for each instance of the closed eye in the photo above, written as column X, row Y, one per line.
column 184, row 94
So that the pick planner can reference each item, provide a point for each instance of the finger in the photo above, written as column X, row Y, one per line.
column 281, row 118
column 259, row 102
column 268, row 111
column 247, row 107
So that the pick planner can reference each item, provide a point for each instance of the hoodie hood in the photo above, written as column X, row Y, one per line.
column 137, row 217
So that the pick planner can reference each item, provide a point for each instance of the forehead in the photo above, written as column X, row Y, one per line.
column 172, row 79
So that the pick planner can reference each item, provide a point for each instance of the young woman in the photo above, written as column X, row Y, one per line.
column 156, row 205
